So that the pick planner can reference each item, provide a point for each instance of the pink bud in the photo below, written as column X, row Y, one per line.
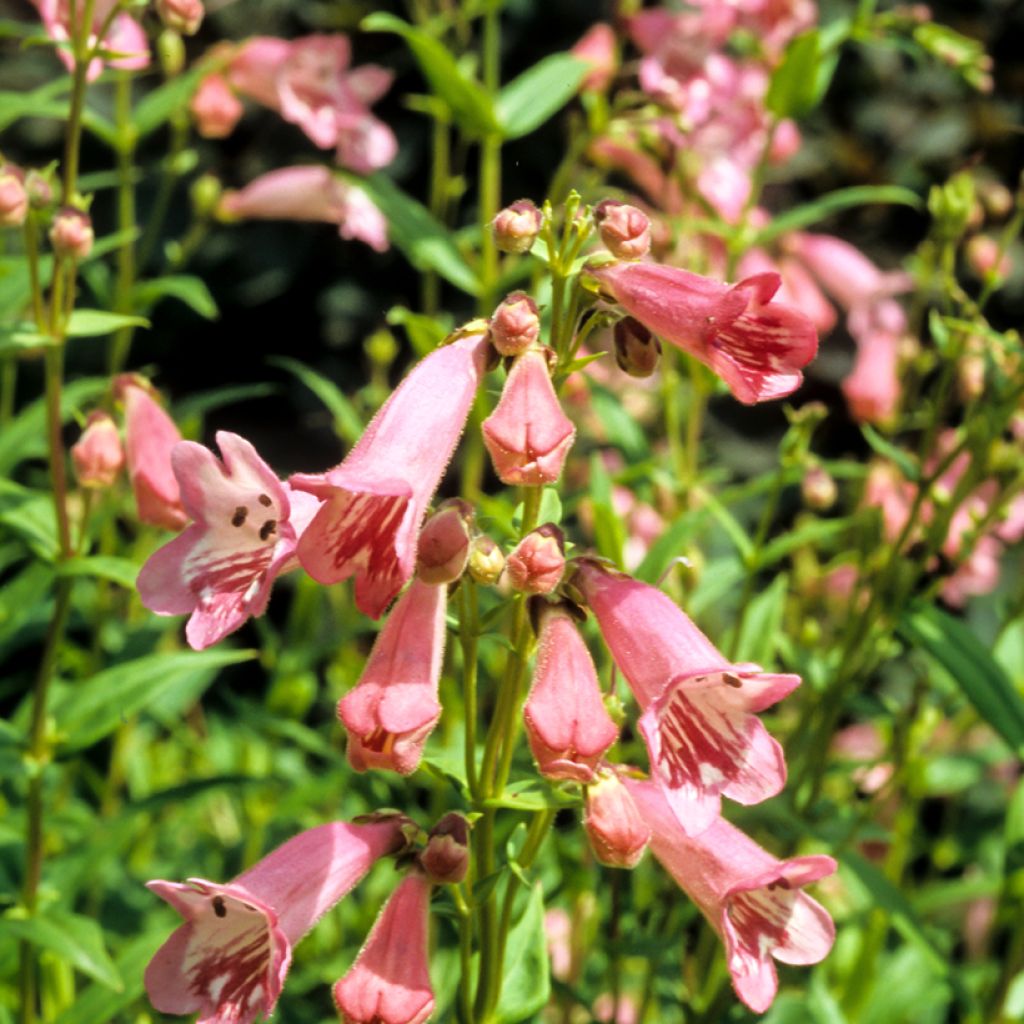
column 566, row 721
column 637, row 351
column 390, row 981
column 215, row 107
column 986, row 256
column 13, row 197
column 486, row 561
column 819, row 489
column 517, row 226
column 597, row 48
column 446, row 856
column 183, row 16
column 71, row 233
column 537, row 563
column 97, row 455
column 515, row 325
column 618, row 835
column 625, row 230
column 528, row 435
column 444, row 542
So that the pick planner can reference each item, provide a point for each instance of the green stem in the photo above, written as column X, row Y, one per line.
column 490, row 164
column 73, row 141
column 126, row 142
column 469, row 632
column 165, row 190
column 440, row 169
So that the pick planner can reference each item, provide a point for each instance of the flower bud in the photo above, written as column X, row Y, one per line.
column 970, row 377
column 517, row 226
column 443, row 549
column 13, row 197
column 215, row 107
column 446, row 856
column 486, row 561
column 183, row 16
column 97, row 455
column 597, row 48
column 625, row 230
column 39, row 189
column 637, row 350
column 538, row 561
column 71, row 233
column 819, row 489
column 618, row 834
column 985, row 256
column 205, row 194
column 515, row 325
column 171, row 51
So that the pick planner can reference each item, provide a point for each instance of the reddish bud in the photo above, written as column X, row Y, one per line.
column 637, row 350
column 486, row 561
column 597, row 47
column 444, row 542
column 215, row 108
column 515, row 325
column 986, row 256
column 618, row 834
column 625, row 230
column 446, row 856
column 183, row 16
column 819, row 489
column 537, row 563
column 98, row 455
column 517, row 226
column 13, row 197
column 71, row 233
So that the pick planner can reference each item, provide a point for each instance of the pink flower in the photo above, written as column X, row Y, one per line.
column 246, row 525
column 598, row 48
column 393, row 708
column 13, row 196
column 150, row 434
column 528, row 435
column 751, row 899
column 566, row 721
column 617, row 832
column 625, row 230
column 390, row 981
column 444, row 545
column 536, row 564
column 755, row 345
column 125, row 36
column 215, row 107
column 311, row 193
column 228, row 961
column 375, row 500
column 699, row 709
column 97, row 455
column 798, row 288
column 872, row 389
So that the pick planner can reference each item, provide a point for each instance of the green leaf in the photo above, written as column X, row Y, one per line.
column 94, row 709
column 526, row 985
column 347, row 423
column 529, row 100
column 105, row 567
column 810, row 533
column 609, row 532
column 970, row 663
column 425, row 332
column 897, row 456
column 622, row 428
column 427, row 244
column 550, row 510
column 92, row 323
column 763, row 624
column 530, row 795
column 184, row 287
column 794, row 90
column 74, row 939
column 30, row 516
column 467, row 99
column 160, row 105
column 16, row 339
column 832, row 202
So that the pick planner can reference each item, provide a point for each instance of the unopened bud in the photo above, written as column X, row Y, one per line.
column 515, row 325
column 183, row 16
column 13, row 197
column 171, row 51
column 952, row 205
column 970, row 377
column 819, row 489
column 486, row 561
column 985, row 256
column 215, row 107
column 625, row 230
column 996, row 198
column 98, row 455
column 446, row 856
column 205, row 195
column 538, row 561
column 71, row 233
column 444, row 543
column 517, row 226
column 637, row 350
column 618, row 834
column 39, row 189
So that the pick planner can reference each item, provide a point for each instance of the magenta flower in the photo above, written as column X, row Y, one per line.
column 755, row 345
column 393, row 708
column 390, row 981
column 566, row 721
column 699, row 709
column 375, row 500
column 751, row 899
column 245, row 527
column 311, row 193
column 228, row 961
column 124, row 36
column 528, row 435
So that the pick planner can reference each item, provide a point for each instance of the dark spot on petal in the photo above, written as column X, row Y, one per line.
column 269, row 527
column 731, row 680
column 218, row 906
column 239, row 517
column 265, row 501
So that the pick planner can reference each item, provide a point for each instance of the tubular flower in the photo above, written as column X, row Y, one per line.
column 97, row 455
column 246, row 524
column 566, row 721
column 755, row 345
column 228, row 961
column 215, row 107
column 751, row 899
column 528, row 435
column 393, row 708
column 375, row 500
column 699, row 710
column 390, row 981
